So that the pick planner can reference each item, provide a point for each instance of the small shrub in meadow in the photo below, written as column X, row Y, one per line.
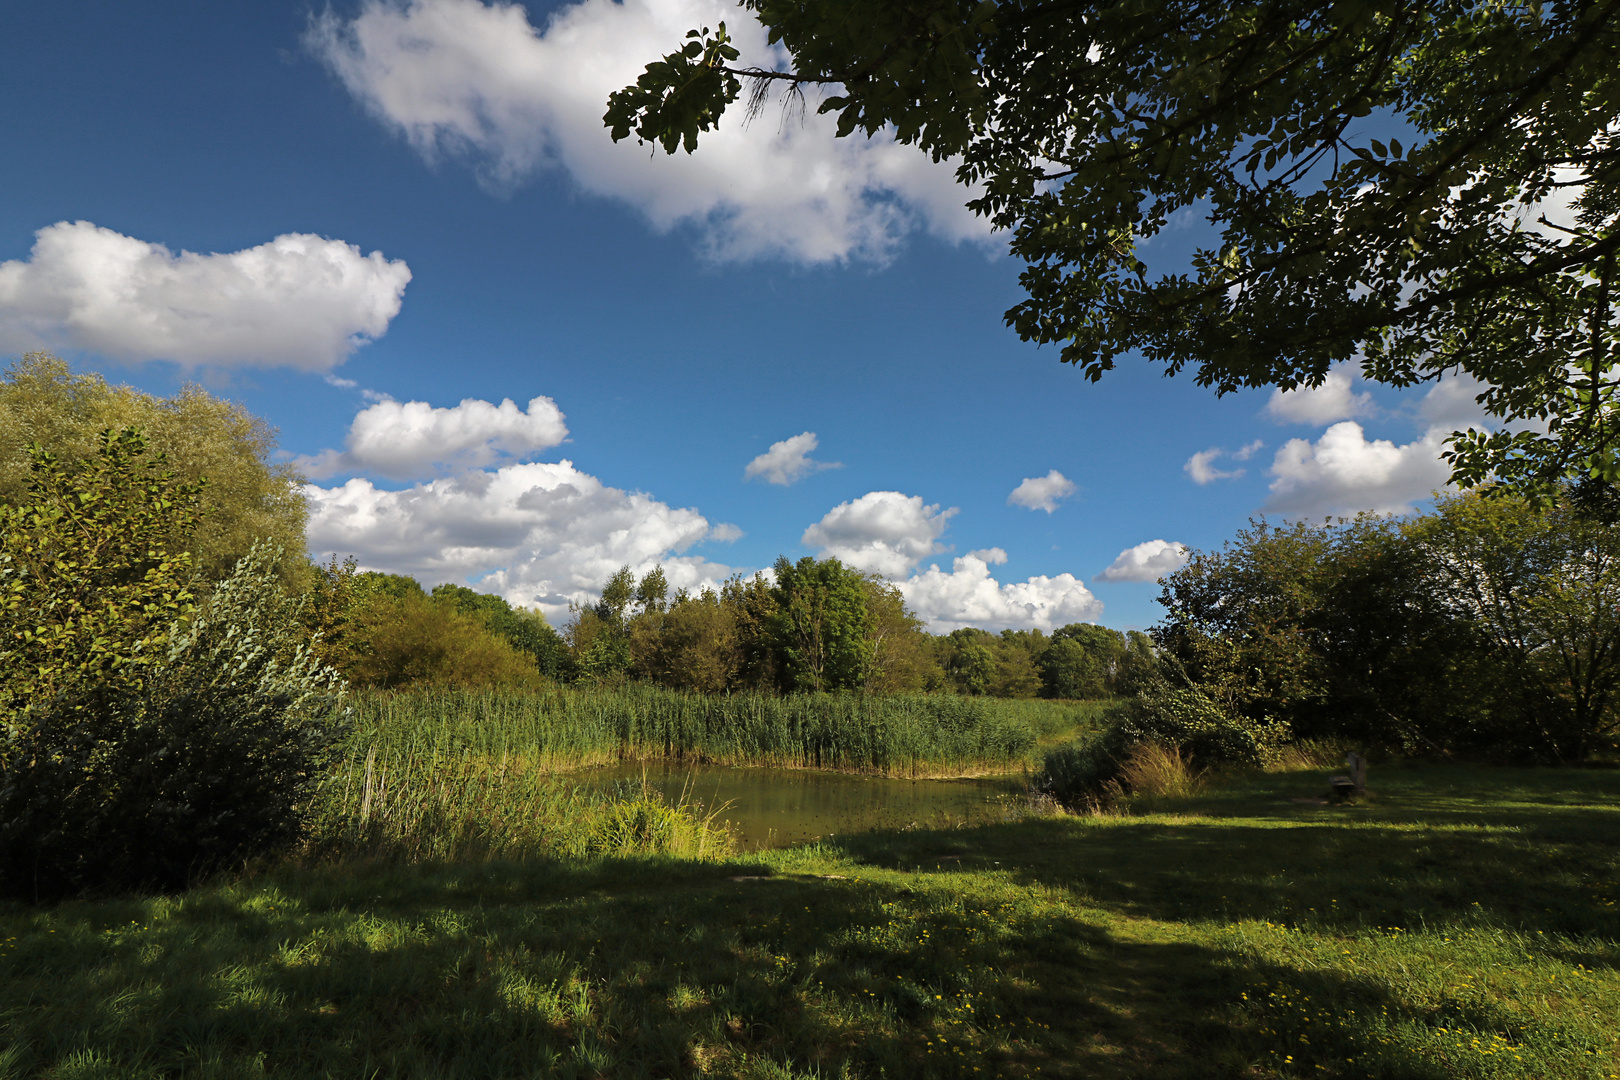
column 1164, row 721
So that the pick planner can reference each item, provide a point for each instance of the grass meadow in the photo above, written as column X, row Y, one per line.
column 1459, row 922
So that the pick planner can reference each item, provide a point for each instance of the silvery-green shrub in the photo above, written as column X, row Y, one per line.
column 215, row 760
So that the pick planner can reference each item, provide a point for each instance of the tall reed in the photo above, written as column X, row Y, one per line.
column 888, row 736
column 467, row 774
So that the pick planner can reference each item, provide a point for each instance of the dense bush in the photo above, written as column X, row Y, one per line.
column 383, row 630
column 1489, row 626
column 1171, row 713
column 90, row 582
column 1189, row 720
column 526, row 631
column 213, row 759
column 248, row 494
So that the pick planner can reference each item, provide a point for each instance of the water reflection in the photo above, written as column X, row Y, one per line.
column 779, row 807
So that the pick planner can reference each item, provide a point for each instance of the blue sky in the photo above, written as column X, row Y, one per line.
column 457, row 227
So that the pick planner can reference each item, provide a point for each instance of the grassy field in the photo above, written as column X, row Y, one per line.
column 896, row 735
column 1461, row 922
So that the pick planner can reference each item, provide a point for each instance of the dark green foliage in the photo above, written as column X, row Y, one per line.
column 1070, row 670
column 1539, row 591
column 680, row 95
column 752, row 605
column 215, row 759
column 1007, row 665
column 820, row 625
column 1489, row 626
column 1174, row 713
column 1076, row 772
column 969, row 663
column 1189, row 720
column 1369, row 171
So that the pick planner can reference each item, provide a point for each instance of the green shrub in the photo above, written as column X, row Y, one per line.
column 214, row 760
column 1075, row 772
column 1183, row 720
column 89, row 585
column 1189, row 720
column 415, row 641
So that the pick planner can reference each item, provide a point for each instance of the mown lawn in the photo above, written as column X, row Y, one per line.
column 1461, row 923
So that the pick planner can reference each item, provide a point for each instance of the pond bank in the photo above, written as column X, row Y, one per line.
column 772, row 808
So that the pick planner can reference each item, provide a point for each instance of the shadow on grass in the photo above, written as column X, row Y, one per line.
column 1428, row 849
column 633, row 970
column 1010, row 950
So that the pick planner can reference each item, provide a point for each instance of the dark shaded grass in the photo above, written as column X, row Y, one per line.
column 1433, row 931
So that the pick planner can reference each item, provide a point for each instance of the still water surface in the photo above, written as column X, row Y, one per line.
column 770, row 808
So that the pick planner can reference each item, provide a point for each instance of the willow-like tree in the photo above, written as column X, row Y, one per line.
column 1420, row 186
column 201, row 437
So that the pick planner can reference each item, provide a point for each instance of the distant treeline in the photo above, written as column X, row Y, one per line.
column 819, row 626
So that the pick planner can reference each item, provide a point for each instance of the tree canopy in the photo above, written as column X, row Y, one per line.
column 246, row 498
column 1422, row 186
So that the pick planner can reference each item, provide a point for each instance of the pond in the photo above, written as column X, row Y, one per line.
column 770, row 808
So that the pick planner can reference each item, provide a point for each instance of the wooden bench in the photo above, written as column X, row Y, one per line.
column 1345, row 787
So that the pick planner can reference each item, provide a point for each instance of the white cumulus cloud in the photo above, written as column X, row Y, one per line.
column 1343, row 472
column 1042, row 492
column 1335, row 399
column 882, row 532
column 1201, row 466
column 888, row 533
column 1147, row 561
column 539, row 534
column 298, row 301
column 788, row 461
column 478, row 82
column 1202, row 470
column 969, row 596
column 1452, row 403
column 412, row 439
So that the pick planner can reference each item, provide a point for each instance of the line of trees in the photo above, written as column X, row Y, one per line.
column 1490, row 625
column 810, row 626
column 818, row 626
column 822, row 625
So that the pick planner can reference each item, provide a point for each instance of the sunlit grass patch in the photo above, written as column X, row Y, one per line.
column 1230, row 933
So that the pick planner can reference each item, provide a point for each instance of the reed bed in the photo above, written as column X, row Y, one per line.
column 458, row 775
column 910, row 736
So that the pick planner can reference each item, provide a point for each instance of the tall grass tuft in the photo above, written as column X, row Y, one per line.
column 1156, row 770
column 429, row 802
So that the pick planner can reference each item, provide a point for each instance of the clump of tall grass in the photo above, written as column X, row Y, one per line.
column 1155, row 770
column 912, row 736
column 1308, row 754
column 429, row 803
column 461, row 774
